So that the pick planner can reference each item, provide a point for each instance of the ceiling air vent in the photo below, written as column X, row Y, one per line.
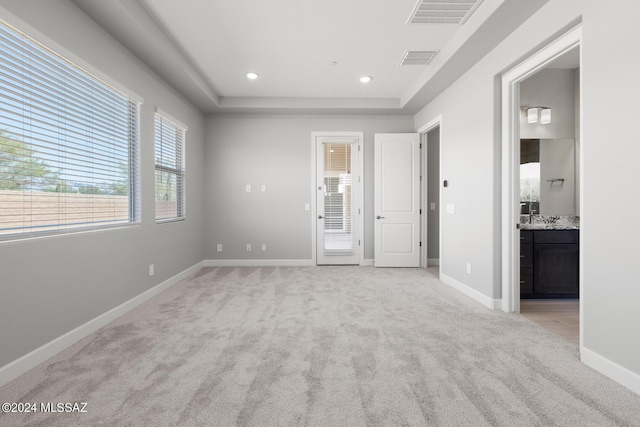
column 443, row 11
column 418, row 57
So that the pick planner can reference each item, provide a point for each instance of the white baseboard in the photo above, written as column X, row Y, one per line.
column 433, row 261
column 611, row 369
column 368, row 262
column 493, row 304
column 259, row 263
column 30, row 360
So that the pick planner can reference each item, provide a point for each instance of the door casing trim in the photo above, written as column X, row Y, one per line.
column 314, row 207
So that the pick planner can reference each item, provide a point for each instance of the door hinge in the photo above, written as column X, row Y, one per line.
column 358, row 148
column 420, row 211
column 358, row 211
column 358, row 179
column 420, row 244
column 421, row 145
column 358, row 242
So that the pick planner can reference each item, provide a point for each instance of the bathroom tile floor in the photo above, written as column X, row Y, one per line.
column 561, row 316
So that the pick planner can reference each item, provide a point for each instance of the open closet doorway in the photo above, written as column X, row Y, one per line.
column 541, row 187
column 432, row 143
column 430, row 138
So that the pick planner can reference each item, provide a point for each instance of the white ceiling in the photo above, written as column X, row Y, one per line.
column 309, row 54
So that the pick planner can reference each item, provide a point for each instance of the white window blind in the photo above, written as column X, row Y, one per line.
column 68, row 144
column 170, row 170
column 340, row 199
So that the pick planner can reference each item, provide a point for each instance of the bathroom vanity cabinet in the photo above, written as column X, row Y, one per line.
column 549, row 263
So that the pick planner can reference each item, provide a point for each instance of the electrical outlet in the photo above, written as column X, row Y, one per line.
column 432, row 206
column 219, row 247
column 263, row 188
column 307, row 206
column 151, row 270
column 248, row 247
column 264, row 247
column 247, row 188
column 468, row 268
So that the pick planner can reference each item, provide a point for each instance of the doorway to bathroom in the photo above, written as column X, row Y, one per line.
column 541, row 186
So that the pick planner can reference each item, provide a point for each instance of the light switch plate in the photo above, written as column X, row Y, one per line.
column 432, row 206
column 307, row 207
column 451, row 208
column 248, row 188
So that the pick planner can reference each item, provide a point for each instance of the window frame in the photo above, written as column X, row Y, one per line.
column 179, row 170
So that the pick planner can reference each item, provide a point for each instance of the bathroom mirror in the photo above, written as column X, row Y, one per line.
column 548, row 176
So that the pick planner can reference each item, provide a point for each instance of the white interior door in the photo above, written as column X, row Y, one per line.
column 397, row 200
column 338, row 210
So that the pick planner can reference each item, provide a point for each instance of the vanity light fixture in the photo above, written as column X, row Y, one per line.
column 252, row 76
column 545, row 116
column 536, row 113
column 366, row 79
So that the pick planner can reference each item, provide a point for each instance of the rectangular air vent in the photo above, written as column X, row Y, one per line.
column 443, row 11
column 418, row 57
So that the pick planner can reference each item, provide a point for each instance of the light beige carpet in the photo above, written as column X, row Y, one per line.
column 320, row 346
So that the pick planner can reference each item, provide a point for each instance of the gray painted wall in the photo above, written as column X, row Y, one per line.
column 557, row 160
column 276, row 151
column 433, row 193
column 50, row 286
column 554, row 88
column 471, row 139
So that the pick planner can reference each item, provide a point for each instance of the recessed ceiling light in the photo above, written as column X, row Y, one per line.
column 252, row 76
column 365, row 79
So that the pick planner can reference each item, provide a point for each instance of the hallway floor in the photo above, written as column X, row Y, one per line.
column 560, row 316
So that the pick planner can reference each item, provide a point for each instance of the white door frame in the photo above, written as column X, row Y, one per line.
column 314, row 207
column 511, row 162
column 424, row 205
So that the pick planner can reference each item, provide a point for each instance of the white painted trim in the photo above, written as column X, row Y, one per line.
column 259, row 263
column 361, row 201
column 430, row 125
column 611, row 369
column 433, row 261
column 369, row 262
column 30, row 360
column 510, row 158
column 493, row 304
column 171, row 118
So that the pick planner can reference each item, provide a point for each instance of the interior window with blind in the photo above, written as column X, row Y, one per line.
column 169, row 146
column 68, row 144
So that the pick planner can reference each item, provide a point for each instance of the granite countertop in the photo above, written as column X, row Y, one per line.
column 548, row 227
column 549, row 222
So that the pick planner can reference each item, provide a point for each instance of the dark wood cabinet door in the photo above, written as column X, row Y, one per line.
column 555, row 270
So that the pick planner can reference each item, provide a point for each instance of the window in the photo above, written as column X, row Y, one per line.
column 169, row 142
column 68, row 144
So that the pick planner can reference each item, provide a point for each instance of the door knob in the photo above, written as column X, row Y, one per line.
column 379, row 217
column 320, row 217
